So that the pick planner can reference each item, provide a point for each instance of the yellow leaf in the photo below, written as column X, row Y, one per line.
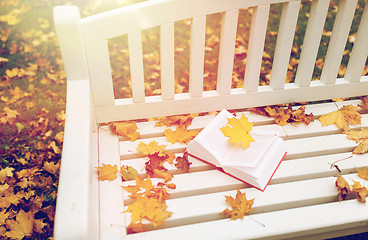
column 125, row 129
column 180, row 135
column 6, row 172
column 51, row 167
column 107, row 172
column 128, row 173
column 240, row 206
column 362, row 147
column 238, row 131
column 360, row 192
column 9, row 116
column 343, row 187
column 151, row 148
column 342, row 117
column 363, row 173
column 21, row 227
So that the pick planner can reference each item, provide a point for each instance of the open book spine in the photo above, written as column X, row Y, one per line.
column 247, row 182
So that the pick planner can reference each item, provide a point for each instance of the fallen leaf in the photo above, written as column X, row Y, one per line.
column 359, row 191
column 162, row 174
column 343, row 187
column 238, row 131
column 180, row 135
column 357, row 135
column 342, row 117
column 364, row 104
column 363, row 173
column 107, row 172
column 135, row 228
column 128, row 173
column 151, row 148
column 240, row 206
column 51, row 167
column 125, row 129
column 362, row 147
column 179, row 120
column 150, row 209
column 6, row 172
column 183, row 163
column 20, row 227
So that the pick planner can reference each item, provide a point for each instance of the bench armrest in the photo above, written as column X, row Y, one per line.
column 77, row 201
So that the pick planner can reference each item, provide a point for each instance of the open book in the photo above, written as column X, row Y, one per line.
column 254, row 165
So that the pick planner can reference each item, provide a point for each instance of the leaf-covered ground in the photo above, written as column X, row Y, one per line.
column 33, row 90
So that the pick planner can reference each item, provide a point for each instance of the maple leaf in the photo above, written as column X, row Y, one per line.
column 125, row 129
column 359, row 136
column 9, row 116
column 6, row 172
column 151, row 148
column 362, row 147
column 359, row 191
column 238, row 131
column 107, row 172
column 128, row 173
column 178, row 120
column 343, row 187
column 154, row 162
column 51, row 167
column 183, row 163
column 150, row 209
column 180, row 135
column 342, row 117
column 363, row 173
column 162, row 174
column 240, row 206
column 135, row 227
column 21, row 227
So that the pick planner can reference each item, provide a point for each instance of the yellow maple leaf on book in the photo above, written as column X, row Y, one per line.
column 238, row 131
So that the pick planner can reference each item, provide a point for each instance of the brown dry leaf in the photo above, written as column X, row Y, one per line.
column 240, row 206
column 343, row 187
column 180, row 135
column 125, row 129
column 359, row 191
column 183, row 163
column 128, row 173
column 364, row 104
column 107, row 172
column 151, row 148
column 135, row 228
column 342, row 117
column 363, row 173
column 238, row 131
column 20, row 227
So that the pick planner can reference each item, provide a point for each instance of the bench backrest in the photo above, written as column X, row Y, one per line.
column 84, row 48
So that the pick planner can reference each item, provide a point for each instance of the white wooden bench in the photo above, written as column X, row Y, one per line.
column 301, row 200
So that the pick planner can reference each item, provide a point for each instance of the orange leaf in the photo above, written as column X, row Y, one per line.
column 20, row 227
column 135, row 227
column 180, row 135
column 128, row 173
column 107, row 172
column 240, row 206
column 178, row 120
column 238, row 131
column 162, row 174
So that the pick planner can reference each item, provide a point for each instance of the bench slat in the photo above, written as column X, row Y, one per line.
column 336, row 47
column 226, row 52
column 255, row 47
column 284, row 43
column 136, row 66
column 167, row 61
column 311, row 42
column 197, row 46
column 360, row 51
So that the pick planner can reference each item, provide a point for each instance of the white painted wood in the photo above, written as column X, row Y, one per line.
column 312, row 39
column 284, row 43
column 68, row 29
column 127, row 19
column 98, row 60
column 257, row 38
column 136, row 66
column 76, row 214
column 226, row 53
column 337, row 43
column 111, row 195
column 196, row 66
column 212, row 101
column 359, row 53
column 167, row 61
